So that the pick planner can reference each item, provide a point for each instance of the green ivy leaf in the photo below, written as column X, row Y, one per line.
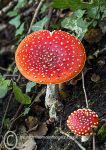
column 15, row 21
column 102, row 25
column 12, row 13
column 29, row 86
column 4, row 84
column 93, row 13
column 20, row 30
column 76, row 23
column 44, row 8
column 104, row 14
column 20, row 97
column 20, row 4
column 102, row 130
column 40, row 24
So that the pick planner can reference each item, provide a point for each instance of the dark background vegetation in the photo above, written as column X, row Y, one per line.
column 21, row 101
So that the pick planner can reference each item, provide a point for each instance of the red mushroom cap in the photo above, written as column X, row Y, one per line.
column 82, row 121
column 50, row 57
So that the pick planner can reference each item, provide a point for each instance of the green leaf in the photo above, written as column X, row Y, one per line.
column 79, row 13
column 102, row 130
column 77, row 4
column 44, row 8
column 20, row 4
column 20, row 97
column 104, row 14
column 102, row 25
column 93, row 13
column 15, row 21
column 20, row 30
column 4, row 84
column 12, row 13
column 40, row 25
column 29, row 86
column 61, row 4
column 76, row 24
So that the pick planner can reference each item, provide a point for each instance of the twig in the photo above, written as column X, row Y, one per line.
column 83, row 85
column 4, row 69
column 49, row 16
column 35, row 15
column 9, row 6
column 94, row 148
column 73, row 139
column 20, row 107
column 15, row 116
column 10, row 98
column 6, row 112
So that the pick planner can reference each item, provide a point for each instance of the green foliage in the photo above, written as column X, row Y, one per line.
column 20, row 30
column 12, row 13
column 94, row 13
column 102, row 131
column 4, row 84
column 20, row 4
column 44, row 8
column 61, row 4
column 20, row 97
column 29, row 86
column 76, row 23
column 102, row 23
column 40, row 24
column 15, row 21
column 104, row 13
column 77, row 4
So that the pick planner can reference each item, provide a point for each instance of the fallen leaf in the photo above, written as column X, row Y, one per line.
column 31, row 122
column 95, row 77
column 93, row 35
column 29, row 144
column 40, row 131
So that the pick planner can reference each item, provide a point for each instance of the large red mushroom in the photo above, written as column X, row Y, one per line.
column 50, row 58
column 82, row 121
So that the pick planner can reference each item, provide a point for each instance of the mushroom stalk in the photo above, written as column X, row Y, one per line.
column 85, row 138
column 52, row 99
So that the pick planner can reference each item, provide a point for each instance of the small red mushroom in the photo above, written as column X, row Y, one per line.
column 50, row 57
column 82, row 121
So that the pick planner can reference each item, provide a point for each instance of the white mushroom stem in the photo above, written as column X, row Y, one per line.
column 85, row 138
column 52, row 99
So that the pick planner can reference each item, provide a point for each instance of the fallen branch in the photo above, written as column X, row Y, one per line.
column 35, row 15
column 6, row 8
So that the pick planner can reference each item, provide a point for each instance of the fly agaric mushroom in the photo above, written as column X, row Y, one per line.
column 82, row 121
column 50, row 58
